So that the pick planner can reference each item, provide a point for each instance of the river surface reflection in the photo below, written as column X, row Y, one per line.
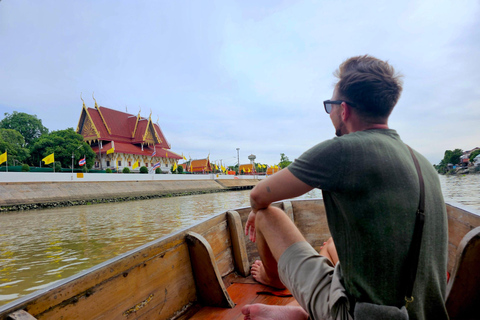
column 43, row 246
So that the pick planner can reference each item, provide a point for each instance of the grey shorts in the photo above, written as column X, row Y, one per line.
column 314, row 282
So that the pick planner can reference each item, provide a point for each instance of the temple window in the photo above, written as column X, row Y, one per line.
column 119, row 163
column 108, row 163
column 129, row 163
column 146, row 164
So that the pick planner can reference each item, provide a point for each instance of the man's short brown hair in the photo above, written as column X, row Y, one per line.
column 370, row 84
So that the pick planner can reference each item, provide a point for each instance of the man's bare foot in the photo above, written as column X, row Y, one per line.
column 266, row 312
column 260, row 275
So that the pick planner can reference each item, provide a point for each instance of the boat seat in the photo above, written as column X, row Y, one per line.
column 463, row 293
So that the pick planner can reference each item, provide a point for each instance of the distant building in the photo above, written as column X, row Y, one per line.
column 129, row 138
column 200, row 166
column 476, row 160
column 247, row 168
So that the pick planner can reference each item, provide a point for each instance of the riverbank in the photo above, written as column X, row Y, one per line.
column 46, row 194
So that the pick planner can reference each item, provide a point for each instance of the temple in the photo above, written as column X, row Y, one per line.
column 120, row 139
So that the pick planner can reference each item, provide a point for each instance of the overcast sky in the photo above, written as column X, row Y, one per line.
column 221, row 75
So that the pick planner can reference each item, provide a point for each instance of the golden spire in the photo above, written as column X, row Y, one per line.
column 82, row 100
column 96, row 105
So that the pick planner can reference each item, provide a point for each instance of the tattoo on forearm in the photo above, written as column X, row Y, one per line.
column 268, row 189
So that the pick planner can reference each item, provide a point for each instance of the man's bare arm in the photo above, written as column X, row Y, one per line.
column 280, row 186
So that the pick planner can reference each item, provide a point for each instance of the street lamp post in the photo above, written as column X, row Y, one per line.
column 73, row 157
column 238, row 160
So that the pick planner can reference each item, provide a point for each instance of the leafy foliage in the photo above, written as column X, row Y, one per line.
column 12, row 141
column 108, row 170
column 63, row 143
column 284, row 161
column 143, row 169
column 473, row 155
column 29, row 126
column 126, row 170
column 25, row 168
column 157, row 171
column 450, row 157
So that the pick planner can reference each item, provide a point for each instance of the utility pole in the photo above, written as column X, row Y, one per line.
column 238, row 160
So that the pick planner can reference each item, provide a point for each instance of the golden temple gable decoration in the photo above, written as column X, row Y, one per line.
column 151, row 137
column 86, row 126
column 101, row 115
column 136, row 123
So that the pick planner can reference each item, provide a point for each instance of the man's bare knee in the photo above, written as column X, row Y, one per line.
column 277, row 229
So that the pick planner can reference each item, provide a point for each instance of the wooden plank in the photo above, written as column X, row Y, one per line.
column 210, row 288
column 241, row 294
column 288, row 208
column 161, row 286
column 463, row 294
column 218, row 237
column 20, row 315
column 311, row 219
column 242, row 266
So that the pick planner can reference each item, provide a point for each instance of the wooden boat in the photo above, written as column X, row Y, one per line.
column 202, row 273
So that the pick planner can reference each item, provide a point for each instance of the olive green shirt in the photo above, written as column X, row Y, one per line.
column 371, row 193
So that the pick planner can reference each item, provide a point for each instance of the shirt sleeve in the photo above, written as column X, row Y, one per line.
column 320, row 166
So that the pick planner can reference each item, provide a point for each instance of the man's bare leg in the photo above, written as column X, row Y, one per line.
column 273, row 227
column 329, row 251
column 266, row 312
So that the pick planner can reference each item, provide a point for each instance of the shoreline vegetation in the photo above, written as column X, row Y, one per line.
column 459, row 162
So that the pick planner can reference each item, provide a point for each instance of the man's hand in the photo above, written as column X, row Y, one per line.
column 250, row 226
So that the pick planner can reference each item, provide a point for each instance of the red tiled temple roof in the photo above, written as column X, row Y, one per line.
column 122, row 126
column 200, row 165
column 127, row 131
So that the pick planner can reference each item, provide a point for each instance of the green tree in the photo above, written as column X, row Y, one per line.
column 29, row 126
column 12, row 141
column 284, row 162
column 473, row 155
column 63, row 143
column 450, row 157
column 126, row 170
column 143, row 169
column 180, row 169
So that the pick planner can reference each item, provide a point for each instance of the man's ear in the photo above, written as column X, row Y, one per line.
column 346, row 111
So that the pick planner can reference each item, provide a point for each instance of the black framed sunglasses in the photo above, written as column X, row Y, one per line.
column 328, row 104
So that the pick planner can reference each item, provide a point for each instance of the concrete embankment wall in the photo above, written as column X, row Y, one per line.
column 23, row 191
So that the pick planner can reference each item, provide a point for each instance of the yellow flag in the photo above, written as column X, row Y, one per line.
column 184, row 157
column 174, row 166
column 166, row 154
column 223, row 169
column 49, row 159
column 135, row 165
column 191, row 167
column 3, row 157
column 111, row 150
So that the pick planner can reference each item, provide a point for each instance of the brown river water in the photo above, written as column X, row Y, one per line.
column 40, row 247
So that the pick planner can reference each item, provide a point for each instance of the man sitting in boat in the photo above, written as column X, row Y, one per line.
column 371, row 193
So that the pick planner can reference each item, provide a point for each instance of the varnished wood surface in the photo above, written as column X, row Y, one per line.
column 210, row 288
column 463, row 290
column 241, row 294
